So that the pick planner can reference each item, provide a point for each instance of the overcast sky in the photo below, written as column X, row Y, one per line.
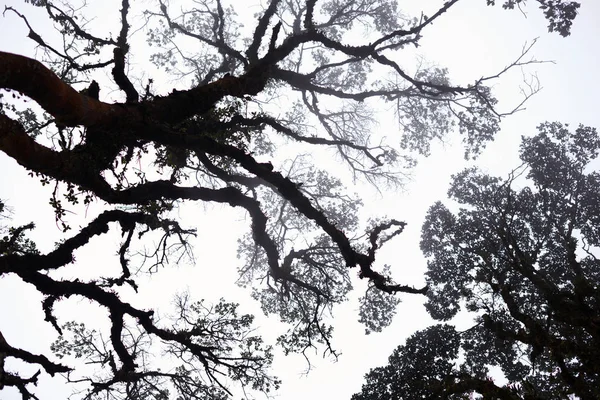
column 472, row 40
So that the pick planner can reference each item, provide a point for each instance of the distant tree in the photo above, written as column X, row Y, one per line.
column 524, row 259
column 213, row 136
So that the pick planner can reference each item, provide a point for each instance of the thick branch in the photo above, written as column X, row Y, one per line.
column 70, row 108
column 261, row 29
column 9, row 351
column 65, row 165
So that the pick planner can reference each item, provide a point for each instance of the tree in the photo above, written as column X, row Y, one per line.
column 524, row 260
column 214, row 138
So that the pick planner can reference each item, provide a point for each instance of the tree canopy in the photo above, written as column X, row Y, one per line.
column 208, row 126
column 522, row 255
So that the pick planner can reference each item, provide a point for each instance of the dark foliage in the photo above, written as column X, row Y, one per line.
column 524, row 259
column 559, row 13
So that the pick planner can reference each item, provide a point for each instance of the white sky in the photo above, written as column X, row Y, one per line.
column 472, row 40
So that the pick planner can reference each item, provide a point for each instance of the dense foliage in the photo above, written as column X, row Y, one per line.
column 207, row 125
column 522, row 255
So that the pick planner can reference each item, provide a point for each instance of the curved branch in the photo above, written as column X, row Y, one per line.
column 69, row 107
column 286, row 187
column 261, row 29
column 64, row 165
column 50, row 367
column 121, row 78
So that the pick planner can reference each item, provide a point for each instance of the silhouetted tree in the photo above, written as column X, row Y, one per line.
column 523, row 256
column 213, row 136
